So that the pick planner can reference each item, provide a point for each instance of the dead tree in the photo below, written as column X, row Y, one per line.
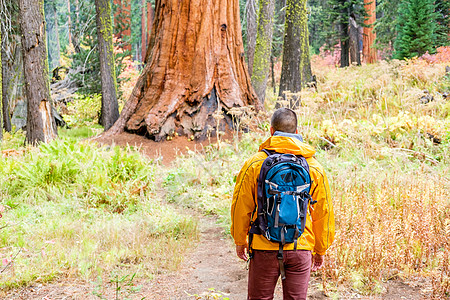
column 41, row 126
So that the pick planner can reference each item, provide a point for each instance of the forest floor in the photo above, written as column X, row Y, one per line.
column 210, row 269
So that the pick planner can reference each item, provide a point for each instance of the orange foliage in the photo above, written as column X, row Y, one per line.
column 442, row 56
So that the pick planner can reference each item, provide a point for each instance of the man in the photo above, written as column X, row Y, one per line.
column 318, row 235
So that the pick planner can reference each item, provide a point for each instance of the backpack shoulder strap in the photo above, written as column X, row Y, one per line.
column 268, row 152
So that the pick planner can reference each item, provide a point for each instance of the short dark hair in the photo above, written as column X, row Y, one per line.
column 285, row 120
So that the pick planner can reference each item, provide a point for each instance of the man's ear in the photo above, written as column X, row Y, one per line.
column 272, row 131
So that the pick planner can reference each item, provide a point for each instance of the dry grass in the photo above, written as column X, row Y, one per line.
column 387, row 155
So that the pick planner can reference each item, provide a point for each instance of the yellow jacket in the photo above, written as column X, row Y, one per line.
column 319, row 227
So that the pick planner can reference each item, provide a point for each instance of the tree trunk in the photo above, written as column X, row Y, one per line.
column 355, row 53
column 369, row 36
column 252, row 24
column 69, row 23
column 296, row 66
column 143, row 29
column 6, row 124
column 110, row 107
column 195, row 72
column 122, row 15
column 150, row 16
column 1, row 94
column 77, row 32
column 41, row 126
column 345, row 45
column 52, row 35
column 263, row 49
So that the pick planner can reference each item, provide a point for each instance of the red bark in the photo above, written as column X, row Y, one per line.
column 369, row 36
column 143, row 27
column 122, row 15
column 195, row 68
column 150, row 16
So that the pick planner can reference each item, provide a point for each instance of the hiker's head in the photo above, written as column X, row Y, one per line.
column 285, row 120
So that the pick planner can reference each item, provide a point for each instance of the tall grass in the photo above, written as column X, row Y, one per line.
column 74, row 209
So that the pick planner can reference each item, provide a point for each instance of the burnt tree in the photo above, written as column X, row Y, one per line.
column 195, row 68
column 41, row 125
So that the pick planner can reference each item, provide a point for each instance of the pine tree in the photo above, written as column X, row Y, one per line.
column 442, row 22
column 416, row 28
column 386, row 24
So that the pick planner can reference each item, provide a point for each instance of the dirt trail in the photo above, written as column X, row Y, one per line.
column 211, row 265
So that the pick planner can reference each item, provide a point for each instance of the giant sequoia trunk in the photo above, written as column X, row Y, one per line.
column 369, row 52
column 195, row 68
column 41, row 125
column 122, row 20
column 296, row 67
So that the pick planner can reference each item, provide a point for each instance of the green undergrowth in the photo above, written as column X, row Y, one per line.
column 72, row 208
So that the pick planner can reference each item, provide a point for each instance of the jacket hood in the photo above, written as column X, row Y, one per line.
column 283, row 144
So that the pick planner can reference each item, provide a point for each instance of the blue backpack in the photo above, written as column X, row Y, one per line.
column 283, row 197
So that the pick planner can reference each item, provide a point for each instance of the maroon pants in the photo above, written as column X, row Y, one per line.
column 264, row 271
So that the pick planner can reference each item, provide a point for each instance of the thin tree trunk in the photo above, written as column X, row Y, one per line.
column 195, row 71
column 272, row 70
column 263, row 49
column 345, row 45
column 369, row 35
column 4, row 86
column 76, row 28
column 252, row 24
column 296, row 67
column 69, row 23
column 110, row 107
column 1, row 94
column 52, row 35
column 41, row 126
column 355, row 54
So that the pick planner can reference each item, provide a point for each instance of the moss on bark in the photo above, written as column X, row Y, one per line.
column 263, row 48
column 296, row 68
column 110, row 107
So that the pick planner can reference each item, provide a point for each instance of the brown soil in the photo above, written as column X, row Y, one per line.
column 165, row 151
column 212, row 264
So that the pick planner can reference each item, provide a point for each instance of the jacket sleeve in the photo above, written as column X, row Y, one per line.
column 243, row 203
column 322, row 212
